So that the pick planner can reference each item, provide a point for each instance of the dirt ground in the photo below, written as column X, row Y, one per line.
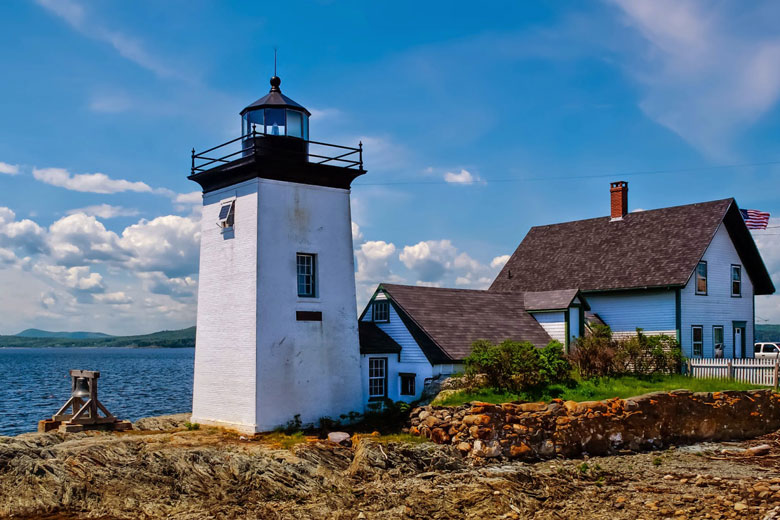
column 210, row 473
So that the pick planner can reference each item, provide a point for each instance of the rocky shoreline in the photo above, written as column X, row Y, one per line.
column 166, row 471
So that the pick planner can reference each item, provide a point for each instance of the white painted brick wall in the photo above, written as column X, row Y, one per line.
column 225, row 352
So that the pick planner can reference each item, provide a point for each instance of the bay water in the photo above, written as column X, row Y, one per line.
column 133, row 383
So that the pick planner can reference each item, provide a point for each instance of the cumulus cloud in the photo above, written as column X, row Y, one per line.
column 79, row 279
column 114, row 298
column 357, row 235
column 706, row 71
column 105, row 211
column 80, row 239
column 183, row 288
column 499, row 261
column 169, row 244
column 430, row 259
column 373, row 260
column 88, row 182
column 8, row 169
column 462, row 177
column 24, row 235
column 7, row 257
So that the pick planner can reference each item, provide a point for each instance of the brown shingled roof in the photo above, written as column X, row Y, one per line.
column 445, row 322
column 656, row 248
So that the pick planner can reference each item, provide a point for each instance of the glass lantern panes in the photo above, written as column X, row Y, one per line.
column 294, row 124
column 275, row 121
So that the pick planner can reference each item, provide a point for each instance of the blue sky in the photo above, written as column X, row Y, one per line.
column 477, row 124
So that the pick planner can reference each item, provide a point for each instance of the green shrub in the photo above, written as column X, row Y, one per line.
column 510, row 365
column 192, row 426
column 554, row 365
column 594, row 354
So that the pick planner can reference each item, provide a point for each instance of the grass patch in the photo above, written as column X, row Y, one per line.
column 402, row 437
column 598, row 389
column 279, row 438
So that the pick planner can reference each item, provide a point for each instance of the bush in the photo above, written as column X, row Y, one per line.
column 594, row 355
column 599, row 355
column 554, row 365
column 517, row 366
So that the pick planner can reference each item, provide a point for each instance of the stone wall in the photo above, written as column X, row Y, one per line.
column 567, row 428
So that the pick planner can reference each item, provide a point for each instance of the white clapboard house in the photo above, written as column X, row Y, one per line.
column 690, row 272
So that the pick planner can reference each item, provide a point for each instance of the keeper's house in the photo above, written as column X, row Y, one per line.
column 691, row 272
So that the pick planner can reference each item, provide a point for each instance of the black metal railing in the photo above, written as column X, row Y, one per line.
column 206, row 160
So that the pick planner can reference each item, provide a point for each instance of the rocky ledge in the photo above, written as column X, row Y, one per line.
column 532, row 431
column 210, row 473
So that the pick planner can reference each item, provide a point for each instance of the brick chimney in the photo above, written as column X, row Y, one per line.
column 618, row 193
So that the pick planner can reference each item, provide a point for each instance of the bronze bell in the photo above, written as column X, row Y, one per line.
column 81, row 389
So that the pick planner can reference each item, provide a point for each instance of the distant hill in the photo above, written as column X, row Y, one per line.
column 167, row 338
column 767, row 333
column 38, row 333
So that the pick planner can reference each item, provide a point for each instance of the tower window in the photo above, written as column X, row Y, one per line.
column 381, row 311
column 377, row 378
column 227, row 215
column 307, row 264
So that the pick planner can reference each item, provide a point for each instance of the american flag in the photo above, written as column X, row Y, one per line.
column 755, row 219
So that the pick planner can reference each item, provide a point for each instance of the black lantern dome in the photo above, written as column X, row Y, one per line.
column 276, row 114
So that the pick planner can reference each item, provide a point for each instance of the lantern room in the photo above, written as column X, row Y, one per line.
column 276, row 114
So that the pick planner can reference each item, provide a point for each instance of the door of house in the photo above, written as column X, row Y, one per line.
column 739, row 339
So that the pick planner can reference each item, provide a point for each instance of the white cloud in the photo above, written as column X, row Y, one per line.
column 110, row 103
column 182, row 288
column 114, row 298
column 25, row 235
column 463, row 177
column 170, row 244
column 105, row 211
column 9, row 169
column 88, row 182
column 499, row 261
column 430, row 259
column 193, row 197
column 79, row 279
column 707, row 71
column 7, row 257
column 80, row 239
column 373, row 261
column 357, row 235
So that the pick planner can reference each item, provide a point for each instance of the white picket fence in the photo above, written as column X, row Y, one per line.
column 754, row 371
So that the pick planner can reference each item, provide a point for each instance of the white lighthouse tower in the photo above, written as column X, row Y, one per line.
column 277, row 324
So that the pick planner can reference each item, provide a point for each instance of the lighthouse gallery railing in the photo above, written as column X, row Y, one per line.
column 352, row 158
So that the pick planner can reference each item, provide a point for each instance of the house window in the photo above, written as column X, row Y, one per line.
column 697, row 332
column 718, row 348
column 407, row 383
column 701, row 278
column 307, row 275
column 227, row 215
column 377, row 378
column 382, row 311
column 736, row 280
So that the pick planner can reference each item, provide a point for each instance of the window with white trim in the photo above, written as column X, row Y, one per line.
column 377, row 377
column 718, row 347
column 697, row 340
column 736, row 280
column 381, row 311
column 227, row 215
column 307, row 271
column 701, row 278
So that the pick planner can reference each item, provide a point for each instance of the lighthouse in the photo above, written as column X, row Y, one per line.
column 277, row 323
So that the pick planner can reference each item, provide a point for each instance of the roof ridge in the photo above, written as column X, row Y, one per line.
column 644, row 211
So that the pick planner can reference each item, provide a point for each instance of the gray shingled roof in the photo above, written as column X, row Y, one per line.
column 551, row 300
column 656, row 248
column 445, row 322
